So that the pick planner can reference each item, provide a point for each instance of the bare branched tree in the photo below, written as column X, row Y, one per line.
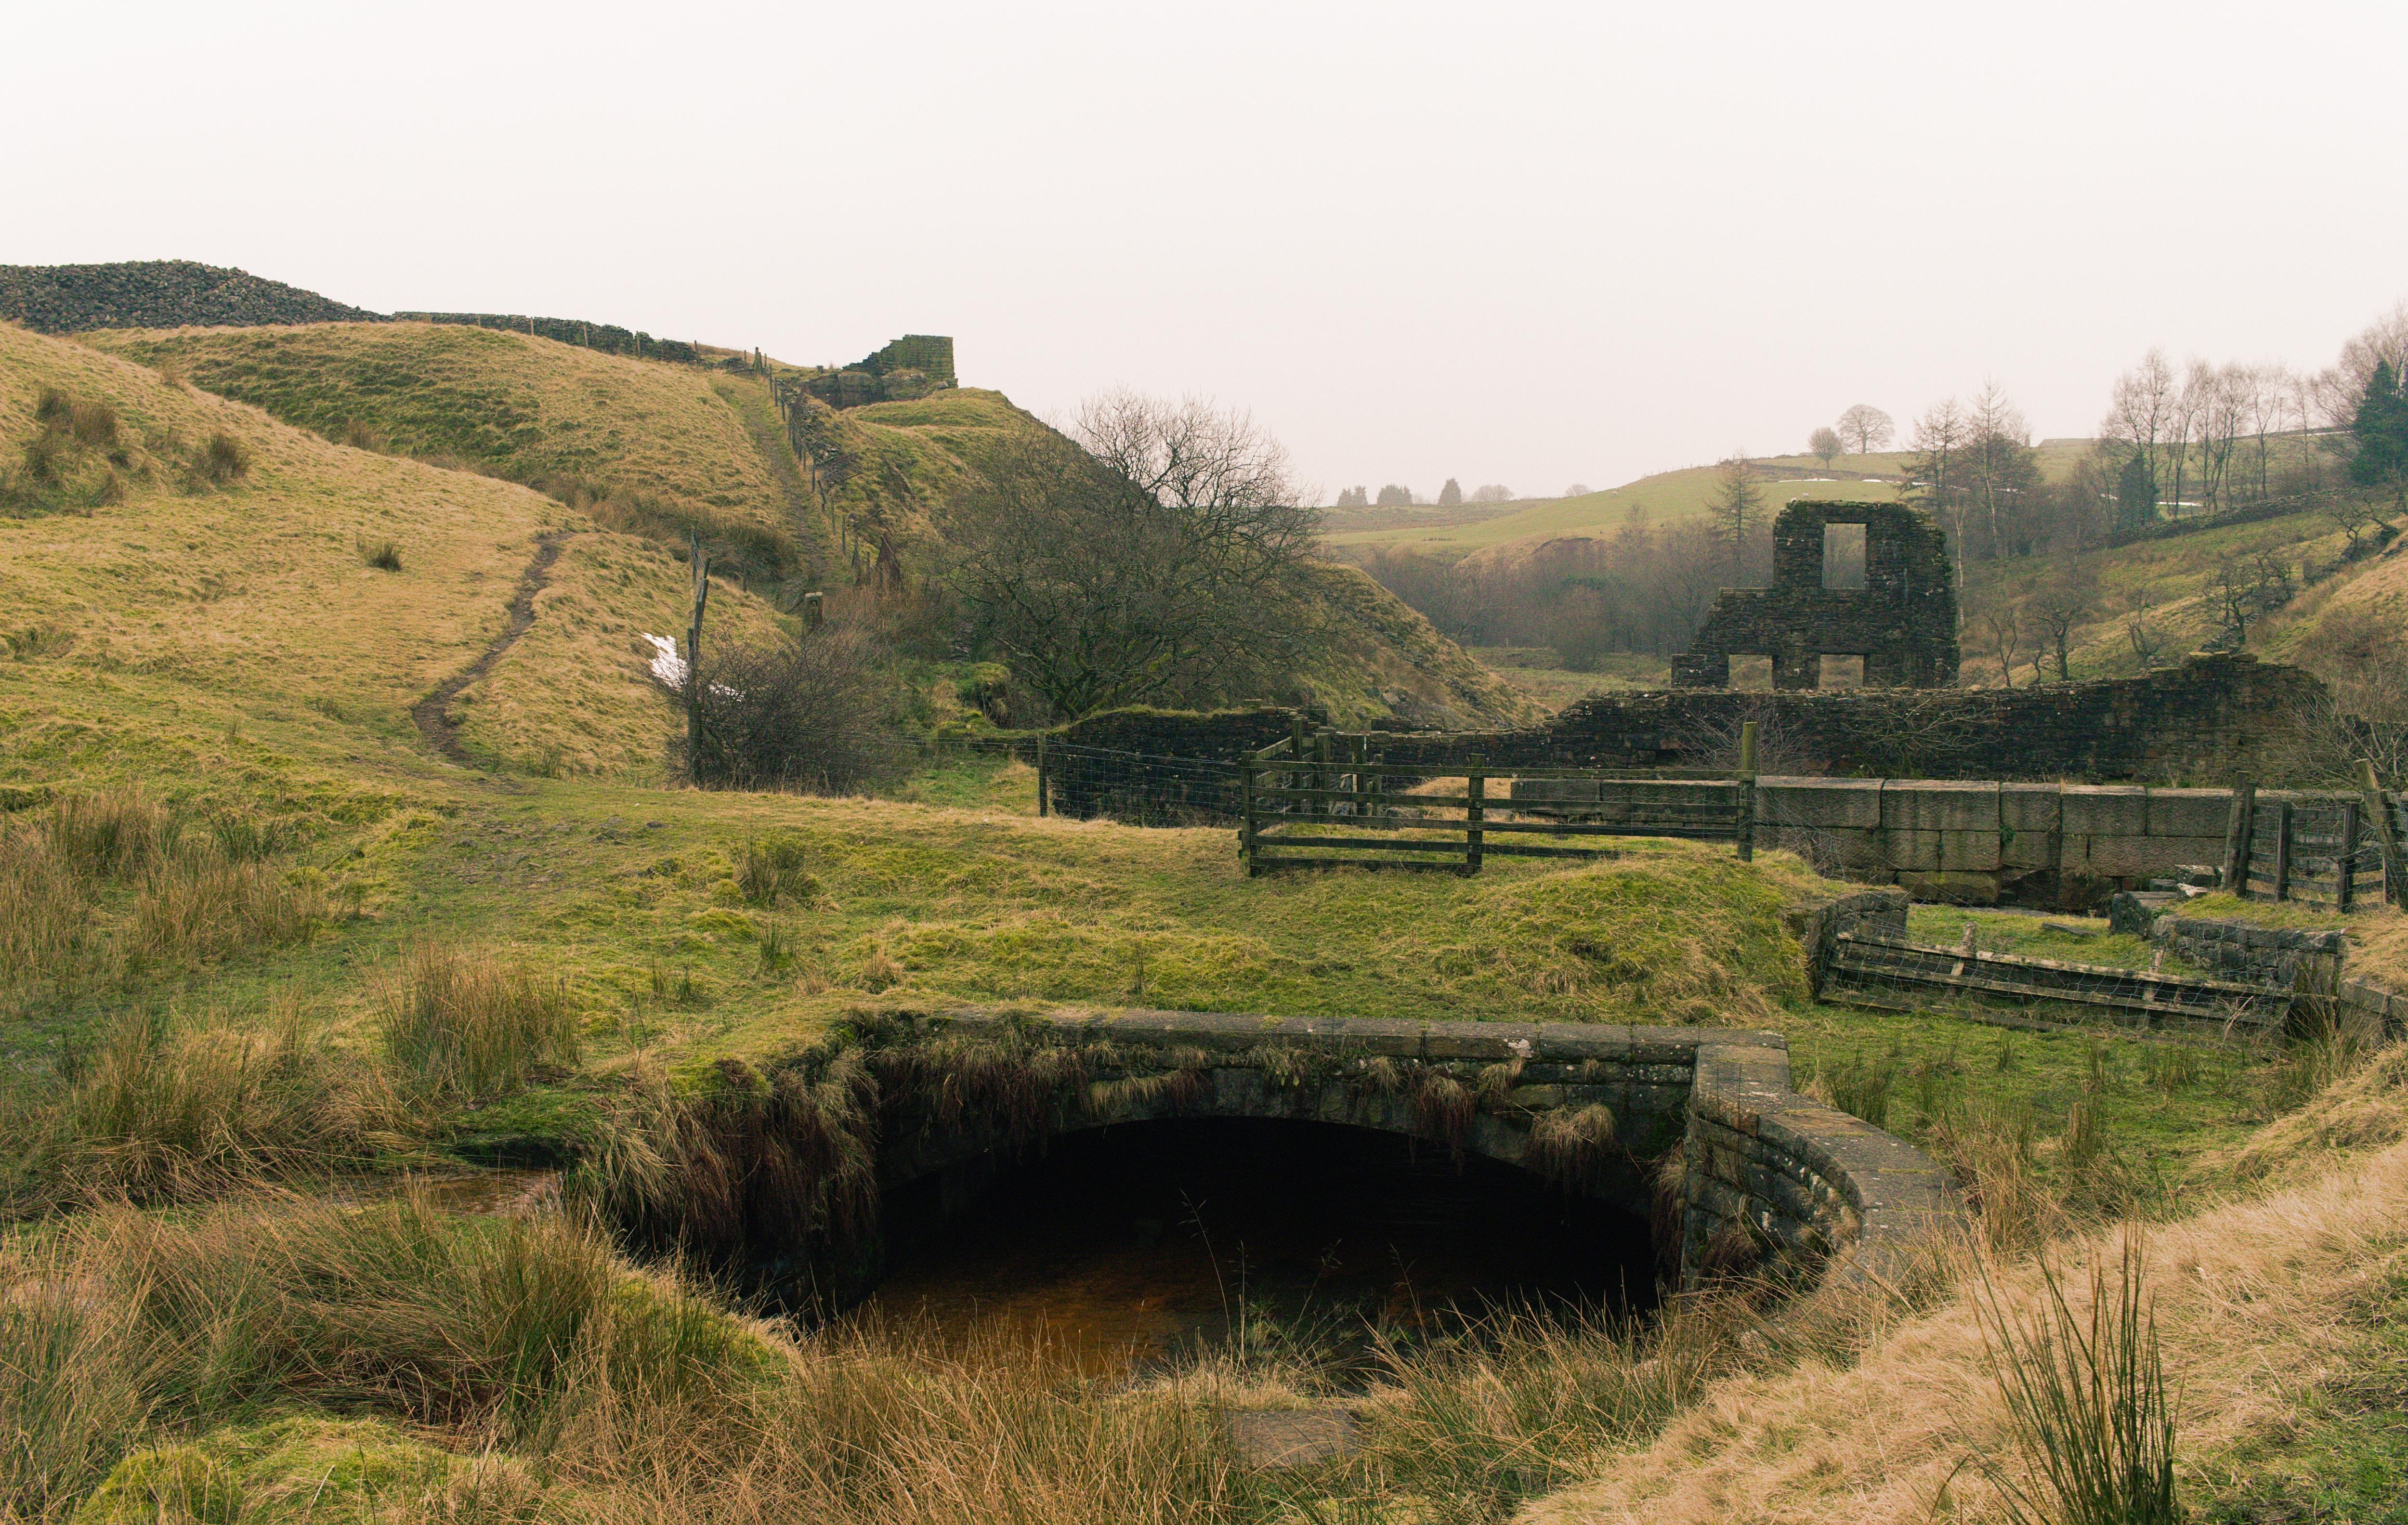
column 1825, row 445
column 1867, row 428
column 2063, row 601
column 1738, row 508
column 1158, row 554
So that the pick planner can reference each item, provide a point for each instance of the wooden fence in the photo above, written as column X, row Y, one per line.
column 1866, row 969
column 2327, row 850
column 1330, row 799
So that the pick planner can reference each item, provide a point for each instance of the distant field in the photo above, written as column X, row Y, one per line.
column 1669, row 496
column 1537, row 671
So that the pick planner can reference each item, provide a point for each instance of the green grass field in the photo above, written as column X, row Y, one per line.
column 263, row 952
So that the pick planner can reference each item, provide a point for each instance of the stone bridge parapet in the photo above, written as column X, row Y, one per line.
column 1706, row 1136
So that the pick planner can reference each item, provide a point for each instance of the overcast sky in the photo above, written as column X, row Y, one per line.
column 1528, row 244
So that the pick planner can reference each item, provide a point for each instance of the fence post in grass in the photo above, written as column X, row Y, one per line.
column 1747, row 791
column 1040, row 773
column 1319, row 804
column 1246, row 766
column 2238, row 829
column 2395, row 875
column 1476, row 790
column 2283, row 853
column 2345, row 870
column 701, row 563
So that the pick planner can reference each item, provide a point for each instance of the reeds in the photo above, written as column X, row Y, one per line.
column 195, row 896
column 383, row 555
column 2085, row 1394
column 469, row 1024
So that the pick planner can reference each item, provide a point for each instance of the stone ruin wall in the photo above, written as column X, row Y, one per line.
column 2213, row 720
column 1902, row 622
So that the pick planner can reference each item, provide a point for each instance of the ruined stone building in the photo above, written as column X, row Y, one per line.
column 1900, row 623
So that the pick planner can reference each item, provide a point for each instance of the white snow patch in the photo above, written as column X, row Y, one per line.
column 668, row 668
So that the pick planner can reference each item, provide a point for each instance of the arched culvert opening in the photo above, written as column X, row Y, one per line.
column 1150, row 1238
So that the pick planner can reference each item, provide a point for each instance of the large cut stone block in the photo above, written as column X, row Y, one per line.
column 1912, row 852
column 2029, row 810
column 1830, row 804
column 2103, row 810
column 1973, row 852
column 2189, row 812
column 1933, row 805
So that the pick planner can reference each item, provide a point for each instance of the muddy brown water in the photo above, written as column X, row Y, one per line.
column 1126, row 1248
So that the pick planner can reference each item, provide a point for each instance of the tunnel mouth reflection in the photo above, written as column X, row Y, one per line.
column 1143, row 1243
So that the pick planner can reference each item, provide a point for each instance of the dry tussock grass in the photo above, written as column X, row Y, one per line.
column 168, row 1109
column 2250, row 1308
column 469, row 1023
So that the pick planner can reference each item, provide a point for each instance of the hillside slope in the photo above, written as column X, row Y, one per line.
column 576, row 421
column 141, row 582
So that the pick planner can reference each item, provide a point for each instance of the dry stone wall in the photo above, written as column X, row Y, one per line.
column 158, row 294
column 2213, row 720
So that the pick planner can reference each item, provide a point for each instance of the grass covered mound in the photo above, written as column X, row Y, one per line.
column 515, row 406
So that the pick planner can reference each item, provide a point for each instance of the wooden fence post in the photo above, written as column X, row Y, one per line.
column 2395, row 874
column 2238, row 830
column 1040, row 773
column 1246, row 766
column 1476, row 789
column 1747, row 791
column 701, row 562
column 1319, row 804
column 2345, row 878
column 2283, row 853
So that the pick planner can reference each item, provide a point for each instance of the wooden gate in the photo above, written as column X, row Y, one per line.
column 1331, row 800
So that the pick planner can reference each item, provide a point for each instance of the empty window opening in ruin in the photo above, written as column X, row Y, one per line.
column 1754, row 674
column 1843, row 556
column 1841, row 671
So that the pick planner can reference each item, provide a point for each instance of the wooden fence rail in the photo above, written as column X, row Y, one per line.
column 2322, row 851
column 1327, row 799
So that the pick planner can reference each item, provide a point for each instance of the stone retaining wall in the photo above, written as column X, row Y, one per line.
column 1767, row 1171
column 1770, row 1171
column 158, row 294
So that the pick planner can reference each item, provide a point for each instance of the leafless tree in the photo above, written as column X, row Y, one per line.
column 1865, row 427
column 1738, row 506
column 1157, row 555
column 1825, row 445
column 2065, row 598
column 2333, row 393
column 2140, row 410
column 1938, row 444
column 2146, row 642
column 2003, row 625
column 1999, row 468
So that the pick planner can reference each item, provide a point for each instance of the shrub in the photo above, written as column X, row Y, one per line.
column 381, row 554
column 817, row 715
column 471, row 1024
column 224, row 459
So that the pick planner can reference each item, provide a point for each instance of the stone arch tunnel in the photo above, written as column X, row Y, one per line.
column 1695, row 1129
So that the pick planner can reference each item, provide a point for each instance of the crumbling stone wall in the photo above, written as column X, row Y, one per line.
column 2213, row 719
column 158, row 294
column 1902, row 622
column 913, row 365
column 607, row 337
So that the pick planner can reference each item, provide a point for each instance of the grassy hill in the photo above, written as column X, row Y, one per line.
column 652, row 448
column 675, row 441
column 258, row 933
